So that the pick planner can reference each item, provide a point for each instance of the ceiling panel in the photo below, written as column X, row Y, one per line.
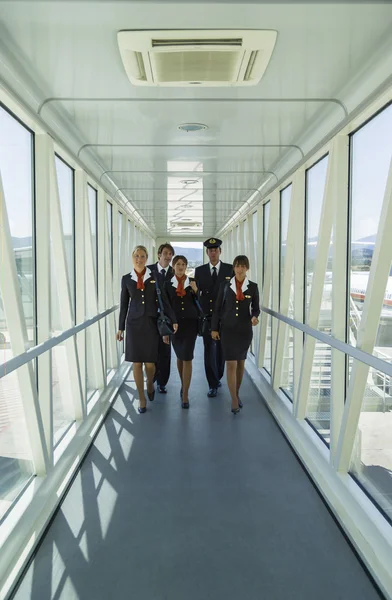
column 69, row 50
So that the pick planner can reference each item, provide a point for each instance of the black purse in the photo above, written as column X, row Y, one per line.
column 203, row 322
column 164, row 324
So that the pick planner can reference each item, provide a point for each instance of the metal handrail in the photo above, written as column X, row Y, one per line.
column 22, row 359
column 364, row 357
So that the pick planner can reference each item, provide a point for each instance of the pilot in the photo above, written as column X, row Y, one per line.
column 208, row 279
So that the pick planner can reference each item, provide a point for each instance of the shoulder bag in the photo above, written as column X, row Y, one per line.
column 164, row 324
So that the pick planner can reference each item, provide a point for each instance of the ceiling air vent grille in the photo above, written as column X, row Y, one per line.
column 184, row 58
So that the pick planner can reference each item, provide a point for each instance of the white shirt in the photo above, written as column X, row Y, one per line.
column 160, row 268
column 217, row 267
column 146, row 275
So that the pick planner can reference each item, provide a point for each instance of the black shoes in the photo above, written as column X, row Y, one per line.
column 240, row 403
column 185, row 404
column 219, row 384
column 212, row 393
column 141, row 409
column 235, row 411
column 151, row 395
column 162, row 389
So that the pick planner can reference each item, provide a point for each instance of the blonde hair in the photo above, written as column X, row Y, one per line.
column 140, row 248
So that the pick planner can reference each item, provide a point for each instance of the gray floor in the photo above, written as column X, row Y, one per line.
column 193, row 505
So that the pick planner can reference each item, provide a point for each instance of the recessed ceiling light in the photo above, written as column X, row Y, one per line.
column 192, row 127
column 189, row 181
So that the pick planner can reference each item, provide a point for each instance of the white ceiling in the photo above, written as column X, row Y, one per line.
column 67, row 52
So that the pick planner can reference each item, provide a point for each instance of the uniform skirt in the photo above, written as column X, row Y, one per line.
column 142, row 339
column 184, row 340
column 236, row 340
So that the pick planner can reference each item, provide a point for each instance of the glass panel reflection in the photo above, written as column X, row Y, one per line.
column 371, row 462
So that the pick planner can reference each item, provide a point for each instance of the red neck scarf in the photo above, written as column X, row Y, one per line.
column 239, row 295
column 180, row 291
column 140, row 282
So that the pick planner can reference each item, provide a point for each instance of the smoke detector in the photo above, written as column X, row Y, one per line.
column 199, row 58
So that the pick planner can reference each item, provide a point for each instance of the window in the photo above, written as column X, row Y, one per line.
column 110, row 231
column 319, row 402
column 65, row 181
column 371, row 152
column 93, row 212
column 16, row 169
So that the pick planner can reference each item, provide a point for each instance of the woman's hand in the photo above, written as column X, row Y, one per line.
column 215, row 335
column 194, row 286
column 175, row 327
column 255, row 321
column 166, row 339
column 119, row 336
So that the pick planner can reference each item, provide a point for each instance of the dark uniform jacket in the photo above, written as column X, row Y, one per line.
column 169, row 273
column 185, row 307
column 208, row 292
column 229, row 311
column 137, row 303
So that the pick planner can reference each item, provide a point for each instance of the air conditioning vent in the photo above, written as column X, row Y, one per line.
column 208, row 58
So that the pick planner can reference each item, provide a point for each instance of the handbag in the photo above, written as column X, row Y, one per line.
column 164, row 324
column 203, row 322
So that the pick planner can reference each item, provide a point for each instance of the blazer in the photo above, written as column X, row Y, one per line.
column 136, row 303
column 208, row 292
column 230, row 311
column 185, row 307
column 169, row 273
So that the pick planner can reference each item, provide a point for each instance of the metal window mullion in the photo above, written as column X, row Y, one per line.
column 111, row 358
column 339, row 289
column 286, row 286
column 259, row 275
column 43, row 149
column 250, row 246
column 94, row 347
column 368, row 329
column 298, row 204
column 13, row 309
column 316, row 294
column 75, row 402
column 102, row 220
column 275, row 215
column 267, row 287
column 81, row 201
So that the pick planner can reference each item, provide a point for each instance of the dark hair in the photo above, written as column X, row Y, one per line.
column 241, row 260
column 168, row 246
column 179, row 257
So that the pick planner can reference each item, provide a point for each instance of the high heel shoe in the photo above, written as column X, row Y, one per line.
column 151, row 395
column 235, row 411
column 185, row 404
column 141, row 409
column 240, row 403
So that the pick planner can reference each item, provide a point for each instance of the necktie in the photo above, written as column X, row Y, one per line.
column 214, row 275
column 163, row 274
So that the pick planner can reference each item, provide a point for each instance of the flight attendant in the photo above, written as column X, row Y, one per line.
column 138, row 316
column 208, row 279
column 181, row 292
column 236, row 311
column 164, row 273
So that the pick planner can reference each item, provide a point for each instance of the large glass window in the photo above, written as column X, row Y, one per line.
column 287, row 381
column 65, row 180
column 268, row 343
column 93, row 212
column 16, row 160
column 120, row 233
column 110, row 231
column 371, row 152
column 319, row 402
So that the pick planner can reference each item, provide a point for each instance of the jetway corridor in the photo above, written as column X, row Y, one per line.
column 250, row 145
column 193, row 504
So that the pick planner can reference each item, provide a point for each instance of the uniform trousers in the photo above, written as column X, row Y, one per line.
column 162, row 367
column 214, row 362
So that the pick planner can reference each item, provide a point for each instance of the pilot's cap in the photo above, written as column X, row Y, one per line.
column 212, row 243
